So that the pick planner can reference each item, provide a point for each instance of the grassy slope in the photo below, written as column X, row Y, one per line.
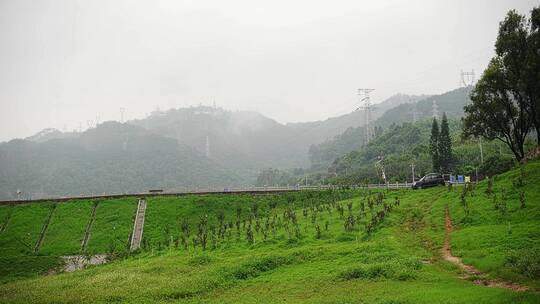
column 489, row 238
column 23, row 229
column 387, row 264
column 67, row 228
column 399, row 263
column 17, row 242
column 112, row 225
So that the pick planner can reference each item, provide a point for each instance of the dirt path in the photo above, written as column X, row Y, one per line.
column 470, row 271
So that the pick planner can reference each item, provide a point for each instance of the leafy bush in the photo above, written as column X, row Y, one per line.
column 525, row 261
column 255, row 268
column 200, row 260
column 400, row 270
column 496, row 164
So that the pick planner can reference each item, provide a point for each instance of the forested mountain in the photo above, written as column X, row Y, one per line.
column 242, row 141
column 112, row 158
column 178, row 149
column 451, row 103
column 50, row 133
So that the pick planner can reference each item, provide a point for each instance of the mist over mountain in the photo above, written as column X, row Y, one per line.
column 248, row 141
column 177, row 149
column 111, row 158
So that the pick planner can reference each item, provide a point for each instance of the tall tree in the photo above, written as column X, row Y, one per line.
column 518, row 49
column 434, row 145
column 494, row 113
column 445, row 145
column 506, row 100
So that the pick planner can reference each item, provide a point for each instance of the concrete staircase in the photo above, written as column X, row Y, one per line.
column 44, row 228
column 88, row 230
column 138, row 226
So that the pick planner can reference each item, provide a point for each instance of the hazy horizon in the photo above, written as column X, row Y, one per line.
column 66, row 62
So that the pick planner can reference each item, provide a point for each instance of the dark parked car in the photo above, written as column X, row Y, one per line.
column 430, row 180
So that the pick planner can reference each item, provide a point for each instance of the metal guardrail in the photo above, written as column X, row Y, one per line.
column 207, row 191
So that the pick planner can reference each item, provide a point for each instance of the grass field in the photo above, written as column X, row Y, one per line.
column 66, row 229
column 304, row 247
column 112, row 226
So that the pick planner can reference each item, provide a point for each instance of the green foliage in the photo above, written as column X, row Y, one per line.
column 434, row 146
column 526, row 261
column 496, row 164
column 444, row 146
column 505, row 103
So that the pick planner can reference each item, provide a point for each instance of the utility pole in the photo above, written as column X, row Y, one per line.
column 207, row 147
column 368, row 127
column 481, row 150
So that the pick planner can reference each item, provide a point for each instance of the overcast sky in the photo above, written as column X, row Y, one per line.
column 65, row 62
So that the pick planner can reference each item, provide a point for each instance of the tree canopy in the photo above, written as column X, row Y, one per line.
column 505, row 101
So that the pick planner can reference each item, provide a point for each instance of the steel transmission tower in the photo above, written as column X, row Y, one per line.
column 368, row 127
column 435, row 109
column 414, row 113
column 467, row 79
column 207, row 146
column 122, row 110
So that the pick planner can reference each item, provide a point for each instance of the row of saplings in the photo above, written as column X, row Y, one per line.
column 256, row 226
column 499, row 202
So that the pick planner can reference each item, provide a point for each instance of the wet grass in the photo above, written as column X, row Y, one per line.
column 112, row 226
column 399, row 262
column 66, row 229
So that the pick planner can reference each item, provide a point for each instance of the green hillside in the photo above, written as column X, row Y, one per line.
column 322, row 247
column 406, row 144
column 452, row 102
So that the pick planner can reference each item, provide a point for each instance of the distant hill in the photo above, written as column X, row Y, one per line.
column 248, row 141
column 240, row 141
column 50, row 133
column 112, row 158
column 321, row 155
column 451, row 103
column 176, row 149
column 320, row 131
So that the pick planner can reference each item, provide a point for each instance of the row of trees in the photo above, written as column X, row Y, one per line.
column 506, row 100
column 440, row 145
